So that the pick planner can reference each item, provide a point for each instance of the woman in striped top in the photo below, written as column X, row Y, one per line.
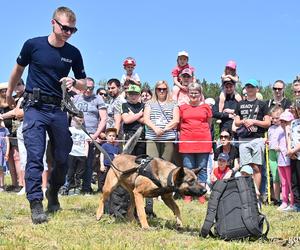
column 161, row 116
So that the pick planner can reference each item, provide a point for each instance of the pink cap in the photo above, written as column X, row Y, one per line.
column 286, row 116
column 231, row 64
column 187, row 71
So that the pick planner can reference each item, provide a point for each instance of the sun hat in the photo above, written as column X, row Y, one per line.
column 223, row 156
column 252, row 82
column 231, row 64
column 187, row 71
column 134, row 88
column 182, row 53
column 286, row 116
column 247, row 169
column 3, row 85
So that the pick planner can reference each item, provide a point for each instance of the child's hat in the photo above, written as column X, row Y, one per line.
column 231, row 64
column 286, row 116
column 183, row 53
column 134, row 88
column 223, row 156
column 187, row 71
column 129, row 61
column 247, row 169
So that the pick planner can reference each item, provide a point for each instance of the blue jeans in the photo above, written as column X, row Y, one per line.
column 38, row 120
column 197, row 160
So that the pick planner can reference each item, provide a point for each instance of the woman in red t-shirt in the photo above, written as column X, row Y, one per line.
column 195, row 122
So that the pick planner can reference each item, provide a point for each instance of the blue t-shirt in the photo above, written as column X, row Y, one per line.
column 112, row 150
column 48, row 64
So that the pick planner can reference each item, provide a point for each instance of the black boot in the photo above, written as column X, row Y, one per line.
column 53, row 203
column 38, row 215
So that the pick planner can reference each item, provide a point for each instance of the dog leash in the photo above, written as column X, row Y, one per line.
column 68, row 106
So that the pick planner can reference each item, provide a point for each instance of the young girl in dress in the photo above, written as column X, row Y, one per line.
column 284, row 165
column 228, row 75
column 4, row 152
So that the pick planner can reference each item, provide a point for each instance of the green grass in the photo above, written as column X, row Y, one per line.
column 75, row 227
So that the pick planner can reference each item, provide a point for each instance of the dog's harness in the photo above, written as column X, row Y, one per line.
column 144, row 169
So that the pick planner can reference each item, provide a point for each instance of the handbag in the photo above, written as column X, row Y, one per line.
column 243, row 131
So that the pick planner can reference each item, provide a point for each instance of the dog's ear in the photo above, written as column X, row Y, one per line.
column 196, row 170
column 178, row 176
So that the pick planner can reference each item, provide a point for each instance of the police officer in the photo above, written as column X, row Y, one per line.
column 50, row 59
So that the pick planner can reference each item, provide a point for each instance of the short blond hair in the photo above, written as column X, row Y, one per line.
column 66, row 11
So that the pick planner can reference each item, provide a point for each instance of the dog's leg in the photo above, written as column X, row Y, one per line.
column 110, row 184
column 170, row 202
column 139, row 203
column 131, row 207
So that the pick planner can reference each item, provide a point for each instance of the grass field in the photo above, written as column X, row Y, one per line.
column 75, row 227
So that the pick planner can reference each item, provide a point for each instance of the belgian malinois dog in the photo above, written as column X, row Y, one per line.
column 168, row 179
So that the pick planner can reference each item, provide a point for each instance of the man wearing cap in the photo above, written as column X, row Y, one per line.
column 50, row 59
column 230, row 104
column 95, row 116
column 252, row 114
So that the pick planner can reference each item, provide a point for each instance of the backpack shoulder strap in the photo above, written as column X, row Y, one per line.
column 218, row 189
column 247, row 213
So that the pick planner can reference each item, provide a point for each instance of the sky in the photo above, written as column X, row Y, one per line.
column 263, row 37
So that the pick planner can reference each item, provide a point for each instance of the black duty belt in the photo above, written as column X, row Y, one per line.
column 46, row 99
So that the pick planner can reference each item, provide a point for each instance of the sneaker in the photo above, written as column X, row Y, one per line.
column 187, row 199
column 202, row 199
column 291, row 208
column 53, row 203
column 38, row 215
column 22, row 191
column 282, row 206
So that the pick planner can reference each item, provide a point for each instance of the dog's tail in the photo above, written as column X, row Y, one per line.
column 130, row 144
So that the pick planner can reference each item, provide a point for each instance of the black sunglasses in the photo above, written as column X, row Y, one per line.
column 224, row 136
column 66, row 28
column 90, row 88
column 279, row 89
column 104, row 94
column 161, row 89
column 296, row 92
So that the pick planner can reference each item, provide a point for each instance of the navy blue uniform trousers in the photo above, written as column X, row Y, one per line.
column 38, row 120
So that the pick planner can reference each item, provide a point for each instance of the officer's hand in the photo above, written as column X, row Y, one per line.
column 70, row 82
column 10, row 101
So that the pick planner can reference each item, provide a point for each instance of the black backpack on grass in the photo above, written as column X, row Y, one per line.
column 232, row 209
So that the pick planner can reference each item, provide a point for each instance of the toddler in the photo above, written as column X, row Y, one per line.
column 129, row 65
column 182, row 63
column 228, row 75
column 284, row 164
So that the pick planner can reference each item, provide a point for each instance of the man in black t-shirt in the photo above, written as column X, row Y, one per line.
column 253, row 115
column 50, row 59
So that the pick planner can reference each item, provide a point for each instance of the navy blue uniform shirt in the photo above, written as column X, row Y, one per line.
column 48, row 64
